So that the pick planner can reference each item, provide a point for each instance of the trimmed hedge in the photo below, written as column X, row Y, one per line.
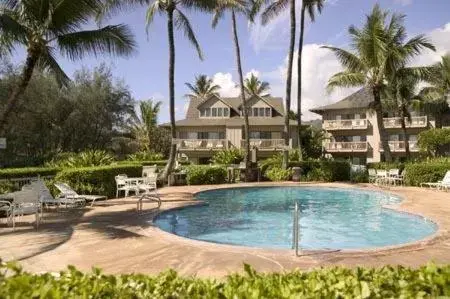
column 429, row 281
column 206, row 175
column 11, row 173
column 433, row 171
column 328, row 171
column 97, row 180
column 386, row 165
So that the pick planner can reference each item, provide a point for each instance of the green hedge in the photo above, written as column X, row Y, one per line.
column 97, row 180
column 386, row 165
column 10, row 173
column 387, row 282
column 161, row 163
column 206, row 175
column 328, row 171
column 416, row 173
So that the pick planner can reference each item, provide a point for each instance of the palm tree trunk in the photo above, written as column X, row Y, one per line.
column 405, row 138
column 241, row 85
column 27, row 72
column 173, row 147
column 289, row 85
column 299, row 82
column 381, row 130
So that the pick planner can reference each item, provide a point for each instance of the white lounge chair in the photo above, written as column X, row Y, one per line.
column 444, row 184
column 68, row 192
column 26, row 202
column 47, row 199
column 6, row 207
column 372, row 175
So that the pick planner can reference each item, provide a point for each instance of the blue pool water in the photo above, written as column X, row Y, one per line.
column 330, row 218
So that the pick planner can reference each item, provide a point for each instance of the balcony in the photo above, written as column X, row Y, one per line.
column 201, row 144
column 399, row 146
column 345, row 124
column 396, row 122
column 347, row 147
column 267, row 144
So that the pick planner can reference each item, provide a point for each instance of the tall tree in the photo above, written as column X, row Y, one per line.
column 254, row 86
column 435, row 97
column 172, row 9
column 44, row 27
column 203, row 87
column 237, row 7
column 309, row 6
column 379, row 49
column 270, row 12
column 145, row 125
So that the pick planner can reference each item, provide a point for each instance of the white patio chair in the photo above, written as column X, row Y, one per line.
column 394, row 177
column 149, row 170
column 26, row 202
column 444, row 184
column 6, row 207
column 123, row 185
column 209, row 145
column 68, row 192
column 372, row 175
column 382, row 176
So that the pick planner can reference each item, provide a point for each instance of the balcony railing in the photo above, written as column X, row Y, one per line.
column 396, row 122
column 345, row 124
column 344, row 147
column 201, row 144
column 267, row 144
column 399, row 146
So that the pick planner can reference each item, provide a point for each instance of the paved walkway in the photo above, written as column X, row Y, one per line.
column 112, row 236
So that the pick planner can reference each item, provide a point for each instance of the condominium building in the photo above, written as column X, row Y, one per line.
column 353, row 129
column 216, row 123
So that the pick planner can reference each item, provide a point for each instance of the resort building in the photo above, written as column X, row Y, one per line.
column 353, row 129
column 216, row 123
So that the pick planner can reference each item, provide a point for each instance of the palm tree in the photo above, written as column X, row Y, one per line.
column 272, row 11
column 311, row 6
column 144, row 126
column 44, row 27
column 379, row 49
column 434, row 98
column 235, row 7
column 254, row 86
column 203, row 87
column 172, row 10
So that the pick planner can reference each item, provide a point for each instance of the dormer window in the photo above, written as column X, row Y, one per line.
column 259, row 112
column 215, row 112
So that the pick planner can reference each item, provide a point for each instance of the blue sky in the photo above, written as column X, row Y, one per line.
column 264, row 50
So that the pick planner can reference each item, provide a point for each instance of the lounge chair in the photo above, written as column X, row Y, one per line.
column 26, row 202
column 394, row 177
column 68, row 192
column 382, row 176
column 444, row 184
column 372, row 175
column 6, row 207
column 47, row 199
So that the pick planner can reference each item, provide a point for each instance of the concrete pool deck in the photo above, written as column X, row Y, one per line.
column 113, row 236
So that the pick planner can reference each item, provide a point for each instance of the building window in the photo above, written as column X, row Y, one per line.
column 208, row 112
column 219, row 112
column 211, row 135
column 214, row 112
column 226, row 112
column 260, row 135
column 255, row 112
column 202, row 112
column 268, row 110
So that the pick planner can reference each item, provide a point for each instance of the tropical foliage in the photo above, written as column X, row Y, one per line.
column 203, row 88
column 227, row 157
column 432, row 141
column 43, row 27
column 84, row 159
column 254, row 86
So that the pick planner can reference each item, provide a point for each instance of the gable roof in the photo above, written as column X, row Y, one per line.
column 218, row 98
column 274, row 102
column 360, row 99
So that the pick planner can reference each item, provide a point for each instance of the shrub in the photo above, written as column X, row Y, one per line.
column 9, row 173
column 276, row 174
column 386, row 165
column 159, row 163
column 145, row 156
column 429, row 281
column 421, row 172
column 97, row 180
column 430, row 141
column 84, row 159
column 324, row 170
column 226, row 157
column 206, row 175
column 359, row 176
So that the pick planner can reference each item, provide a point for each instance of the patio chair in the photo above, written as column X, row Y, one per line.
column 394, row 177
column 123, row 185
column 26, row 202
column 444, row 184
column 6, row 207
column 372, row 175
column 209, row 145
column 46, row 198
column 149, row 170
column 382, row 176
column 68, row 192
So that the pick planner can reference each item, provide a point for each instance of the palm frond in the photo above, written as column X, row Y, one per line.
column 113, row 39
column 114, row 7
column 151, row 11
column 347, row 59
column 273, row 10
column 416, row 44
column 313, row 5
column 182, row 23
column 47, row 62
column 218, row 14
column 11, row 31
column 346, row 79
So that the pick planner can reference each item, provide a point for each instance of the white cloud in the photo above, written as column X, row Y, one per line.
column 227, row 85
column 440, row 37
column 403, row 2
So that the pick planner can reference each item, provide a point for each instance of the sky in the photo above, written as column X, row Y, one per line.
column 264, row 51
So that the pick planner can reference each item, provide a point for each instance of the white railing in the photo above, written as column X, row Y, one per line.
column 399, row 146
column 396, row 122
column 267, row 144
column 345, row 124
column 201, row 144
column 361, row 146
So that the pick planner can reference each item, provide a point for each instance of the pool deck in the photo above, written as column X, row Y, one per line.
column 114, row 237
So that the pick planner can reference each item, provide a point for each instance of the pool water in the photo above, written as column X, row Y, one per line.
column 330, row 218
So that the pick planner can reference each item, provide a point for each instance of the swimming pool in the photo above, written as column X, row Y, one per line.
column 330, row 218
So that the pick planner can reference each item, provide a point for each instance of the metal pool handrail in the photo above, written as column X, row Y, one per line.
column 295, row 229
